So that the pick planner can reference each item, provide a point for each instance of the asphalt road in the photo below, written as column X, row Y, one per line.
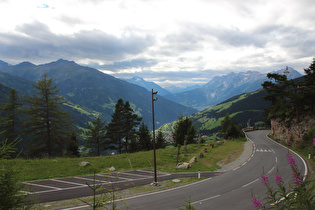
column 221, row 190
column 230, row 190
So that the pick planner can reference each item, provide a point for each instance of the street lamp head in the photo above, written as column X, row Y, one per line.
column 155, row 99
column 155, row 92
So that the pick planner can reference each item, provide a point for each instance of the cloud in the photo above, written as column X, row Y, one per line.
column 37, row 41
column 43, row 6
column 129, row 64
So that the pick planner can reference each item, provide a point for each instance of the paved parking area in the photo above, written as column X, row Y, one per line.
column 51, row 189
column 67, row 188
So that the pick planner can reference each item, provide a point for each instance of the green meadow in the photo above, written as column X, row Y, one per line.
column 35, row 169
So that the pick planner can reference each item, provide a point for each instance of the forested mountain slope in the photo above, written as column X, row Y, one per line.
column 95, row 90
column 243, row 108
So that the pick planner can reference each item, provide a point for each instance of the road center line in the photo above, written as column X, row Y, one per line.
column 271, row 170
column 206, row 199
column 250, row 183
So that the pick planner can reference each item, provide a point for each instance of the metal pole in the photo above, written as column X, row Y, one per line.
column 153, row 139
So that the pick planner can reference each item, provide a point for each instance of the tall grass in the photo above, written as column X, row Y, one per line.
column 34, row 169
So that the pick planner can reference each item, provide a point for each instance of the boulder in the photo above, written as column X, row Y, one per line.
column 193, row 160
column 219, row 142
column 84, row 163
column 112, row 168
column 184, row 166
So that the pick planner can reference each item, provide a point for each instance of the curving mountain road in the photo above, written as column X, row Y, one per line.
column 232, row 189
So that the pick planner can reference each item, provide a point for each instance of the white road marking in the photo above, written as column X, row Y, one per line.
column 250, row 183
column 206, row 199
column 73, row 183
column 46, row 186
column 88, row 179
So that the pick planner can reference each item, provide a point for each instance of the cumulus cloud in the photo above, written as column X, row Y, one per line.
column 36, row 40
column 159, row 37
column 129, row 64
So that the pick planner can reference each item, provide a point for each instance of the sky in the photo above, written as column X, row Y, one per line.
column 170, row 42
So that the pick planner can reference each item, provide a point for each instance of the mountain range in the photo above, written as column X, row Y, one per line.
column 148, row 85
column 221, row 88
column 90, row 92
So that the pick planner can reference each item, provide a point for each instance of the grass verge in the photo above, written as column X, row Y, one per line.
column 35, row 169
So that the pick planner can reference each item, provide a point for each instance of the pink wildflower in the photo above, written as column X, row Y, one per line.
column 314, row 142
column 264, row 179
column 279, row 179
column 298, row 181
column 257, row 203
column 290, row 160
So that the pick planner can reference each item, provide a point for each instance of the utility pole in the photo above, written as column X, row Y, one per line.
column 153, row 139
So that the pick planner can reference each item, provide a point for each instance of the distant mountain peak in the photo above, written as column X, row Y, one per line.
column 64, row 61
column 148, row 85
column 25, row 64
column 3, row 64
column 291, row 73
column 137, row 79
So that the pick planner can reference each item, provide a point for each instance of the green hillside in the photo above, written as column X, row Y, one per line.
column 241, row 108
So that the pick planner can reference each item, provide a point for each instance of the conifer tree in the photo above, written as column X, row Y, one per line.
column 96, row 132
column 160, row 141
column 145, row 141
column 73, row 146
column 10, row 123
column 48, row 125
column 183, row 129
column 309, row 84
column 130, row 121
column 133, row 143
column 115, row 129
column 122, row 123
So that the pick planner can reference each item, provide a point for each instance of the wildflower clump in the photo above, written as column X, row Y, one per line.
column 256, row 202
column 298, row 194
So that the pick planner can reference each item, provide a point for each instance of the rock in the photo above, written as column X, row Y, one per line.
column 219, row 142
column 193, row 160
column 184, row 166
column 176, row 180
column 294, row 134
column 112, row 168
column 201, row 155
column 84, row 163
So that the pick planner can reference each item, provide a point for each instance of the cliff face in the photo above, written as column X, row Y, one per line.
column 291, row 135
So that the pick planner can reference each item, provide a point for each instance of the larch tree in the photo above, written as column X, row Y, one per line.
column 122, row 124
column 309, row 86
column 96, row 133
column 10, row 122
column 145, row 140
column 48, row 124
column 183, row 130
column 160, row 141
column 130, row 120
column 115, row 129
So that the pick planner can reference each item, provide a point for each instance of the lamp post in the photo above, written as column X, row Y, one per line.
column 153, row 139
